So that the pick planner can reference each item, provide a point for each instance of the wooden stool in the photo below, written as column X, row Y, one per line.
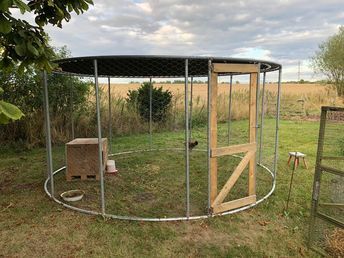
column 297, row 155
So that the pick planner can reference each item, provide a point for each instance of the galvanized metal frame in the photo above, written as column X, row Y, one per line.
column 72, row 112
column 262, row 120
column 278, row 106
column 150, row 113
column 209, row 134
column 186, row 150
column 48, row 132
column 191, row 104
column 110, row 115
column 229, row 109
column 100, row 147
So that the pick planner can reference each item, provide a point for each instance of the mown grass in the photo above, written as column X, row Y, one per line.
column 31, row 225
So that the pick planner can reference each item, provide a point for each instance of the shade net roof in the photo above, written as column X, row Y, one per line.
column 150, row 66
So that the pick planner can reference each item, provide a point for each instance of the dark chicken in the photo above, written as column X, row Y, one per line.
column 193, row 144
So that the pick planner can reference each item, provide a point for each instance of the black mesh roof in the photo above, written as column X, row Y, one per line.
column 150, row 66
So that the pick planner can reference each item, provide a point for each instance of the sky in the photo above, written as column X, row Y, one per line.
column 284, row 31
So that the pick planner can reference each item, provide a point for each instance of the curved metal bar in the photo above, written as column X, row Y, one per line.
column 135, row 218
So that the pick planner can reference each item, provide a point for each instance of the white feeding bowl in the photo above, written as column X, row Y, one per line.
column 111, row 166
column 73, row 195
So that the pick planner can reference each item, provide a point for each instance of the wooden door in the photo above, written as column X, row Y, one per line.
column 217, row 197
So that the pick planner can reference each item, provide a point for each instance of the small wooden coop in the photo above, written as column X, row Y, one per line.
column 83, row 159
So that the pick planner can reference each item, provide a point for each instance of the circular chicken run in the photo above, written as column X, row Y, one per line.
column 226, row 165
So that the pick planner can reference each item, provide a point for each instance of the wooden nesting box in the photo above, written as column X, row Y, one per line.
column 82, row 158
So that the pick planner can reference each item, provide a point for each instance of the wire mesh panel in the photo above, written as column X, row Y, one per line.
column 327, row 214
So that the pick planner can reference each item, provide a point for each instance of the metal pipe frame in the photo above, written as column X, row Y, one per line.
column 187, row 151
column 209, row 133
column 277, row 121
column 257, row 99
column 191, row 104
column 48, row 132
column 262, row 120
column 230, row 108
column 164, row 219
column 257, row 114
column 72, row 112
column 110, row 115
column 100, row 145
column 150, row 113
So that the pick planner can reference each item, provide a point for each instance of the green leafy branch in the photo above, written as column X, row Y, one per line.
column 8, row 111
column 26, row 44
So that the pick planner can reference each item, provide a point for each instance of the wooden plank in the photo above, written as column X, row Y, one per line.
column 229, row 150
column 331, row 204
column 234, row 204
column 332, row 158
column 213, row 136
column 334, row 171
column 252, row 132
column 235, row 68
column 233, row 178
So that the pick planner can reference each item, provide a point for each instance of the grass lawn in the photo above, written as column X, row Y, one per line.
column 32, row 225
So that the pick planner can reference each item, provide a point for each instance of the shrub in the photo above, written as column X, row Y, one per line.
column 139, row 100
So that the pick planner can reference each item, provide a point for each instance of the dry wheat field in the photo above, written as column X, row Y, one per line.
column 201, row 89
column 296, row 98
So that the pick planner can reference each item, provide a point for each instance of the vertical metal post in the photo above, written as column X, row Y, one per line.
column 100, row 145
column 72, row 111
column 230, row 108
column 47, row 132
column 257, row 99
column 150, row 112
column 110, row 116
column 187, row 153
column 209, row 132
column 191, row 100
column 277, row 121
column 262, row 121
column 257, row 114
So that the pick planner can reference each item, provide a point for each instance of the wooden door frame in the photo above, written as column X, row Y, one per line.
column 216, row 198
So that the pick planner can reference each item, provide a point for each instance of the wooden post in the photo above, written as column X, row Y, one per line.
column 213, row 133
column 252, row 132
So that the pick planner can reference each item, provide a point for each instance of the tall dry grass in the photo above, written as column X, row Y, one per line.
column 297, row 100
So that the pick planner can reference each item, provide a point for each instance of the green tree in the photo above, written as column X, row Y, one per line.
column 26, row 44
column 23, row 90
column 329, row 60
column 139, row 99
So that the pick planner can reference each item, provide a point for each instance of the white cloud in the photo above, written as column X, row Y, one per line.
column 145, row 7
column 285, row 31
